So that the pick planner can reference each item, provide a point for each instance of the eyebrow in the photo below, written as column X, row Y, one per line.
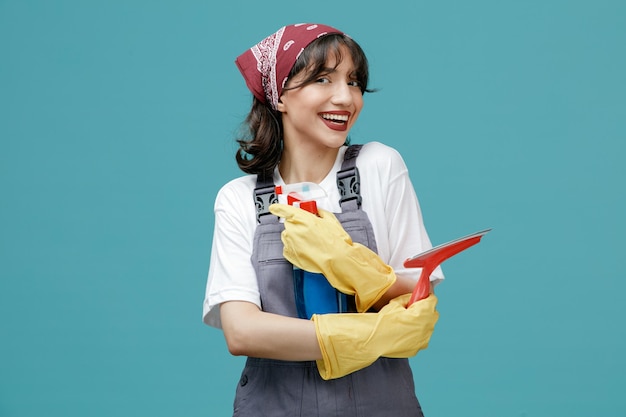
column 327, row 70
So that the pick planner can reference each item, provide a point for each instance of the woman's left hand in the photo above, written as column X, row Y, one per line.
column 318, row 243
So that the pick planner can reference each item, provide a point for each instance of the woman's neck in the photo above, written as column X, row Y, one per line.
column 306, row 165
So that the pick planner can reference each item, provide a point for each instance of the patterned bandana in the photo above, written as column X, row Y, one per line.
column 267, row 64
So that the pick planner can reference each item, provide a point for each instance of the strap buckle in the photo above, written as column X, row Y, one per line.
column 263, row 198
column 349, row 185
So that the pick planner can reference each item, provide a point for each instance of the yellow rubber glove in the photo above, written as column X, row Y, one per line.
column 320, row 244
column 353, row 341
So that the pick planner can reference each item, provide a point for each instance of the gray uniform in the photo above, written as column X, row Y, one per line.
column 281, row 388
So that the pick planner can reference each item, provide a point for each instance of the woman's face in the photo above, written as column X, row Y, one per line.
column 322, row 113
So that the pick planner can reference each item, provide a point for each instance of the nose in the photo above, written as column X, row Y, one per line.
column 342, row 96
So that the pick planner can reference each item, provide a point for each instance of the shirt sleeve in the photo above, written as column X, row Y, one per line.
column 402, row 233
column 231, row 274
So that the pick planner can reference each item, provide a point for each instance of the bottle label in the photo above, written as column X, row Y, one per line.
column 314, row 295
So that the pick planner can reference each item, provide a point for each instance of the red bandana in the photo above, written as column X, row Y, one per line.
column 267, row 64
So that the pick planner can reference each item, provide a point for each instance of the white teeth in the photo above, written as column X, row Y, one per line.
column 335, row 117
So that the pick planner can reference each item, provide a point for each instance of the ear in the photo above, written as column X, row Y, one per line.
column 280, row 106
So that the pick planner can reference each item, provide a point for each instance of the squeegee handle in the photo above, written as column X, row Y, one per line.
column 430, row 261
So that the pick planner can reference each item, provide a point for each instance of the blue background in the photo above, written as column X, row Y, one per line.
column 116, row 125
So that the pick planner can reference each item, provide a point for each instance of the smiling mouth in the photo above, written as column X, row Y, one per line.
column 335, row 118
column 336, row 121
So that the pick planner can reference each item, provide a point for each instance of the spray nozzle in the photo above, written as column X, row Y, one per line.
column 301, row 194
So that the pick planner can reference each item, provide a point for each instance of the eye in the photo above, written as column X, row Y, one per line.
column 322, row 80
column 354, row 83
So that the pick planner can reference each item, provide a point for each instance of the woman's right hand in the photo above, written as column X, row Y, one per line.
column 350, row 342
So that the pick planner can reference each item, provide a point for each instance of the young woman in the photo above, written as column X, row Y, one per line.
column 308, row 82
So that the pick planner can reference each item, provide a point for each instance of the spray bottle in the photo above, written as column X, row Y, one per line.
column 313, row 293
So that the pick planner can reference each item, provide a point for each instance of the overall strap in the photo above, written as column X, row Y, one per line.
column 348, row 181
column 264, row 196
